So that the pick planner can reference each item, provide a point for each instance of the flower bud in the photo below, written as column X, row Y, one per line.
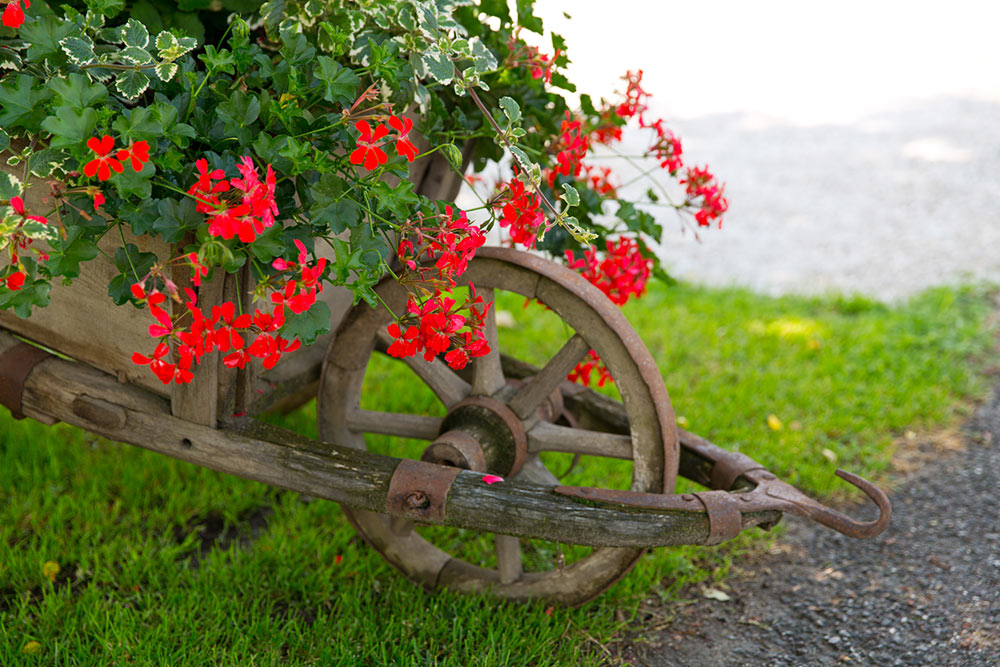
column 241, row 29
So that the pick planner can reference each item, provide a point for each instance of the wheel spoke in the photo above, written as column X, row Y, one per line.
column 443, row 381
column 393, row 423
column 534, row 471
column 508, row 558
column 546, row 437
column 549, row 378
column 487, row 375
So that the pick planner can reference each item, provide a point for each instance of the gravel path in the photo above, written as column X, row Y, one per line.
column 886, row 206
column 927, row 591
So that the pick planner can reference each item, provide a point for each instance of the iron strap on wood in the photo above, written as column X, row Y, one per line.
column 16, row 365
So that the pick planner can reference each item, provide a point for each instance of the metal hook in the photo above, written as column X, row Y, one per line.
column 838, row 521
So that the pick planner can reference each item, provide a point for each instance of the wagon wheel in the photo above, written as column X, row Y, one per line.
column 500, row 426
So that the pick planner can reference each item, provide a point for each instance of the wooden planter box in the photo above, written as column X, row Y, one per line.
column 81, row 321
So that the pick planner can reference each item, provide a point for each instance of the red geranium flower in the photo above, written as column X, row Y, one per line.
column 104, row 162
column 368, row 150
column 403, row 145
column 17, row 204
column 137, row 152
column 15, row 281
column 13, row 15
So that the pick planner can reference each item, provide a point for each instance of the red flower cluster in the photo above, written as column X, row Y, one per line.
column 218, row 330
column 599, row 178
column 437, row 326
column 635, row 96
column 104, row 162
column 522, row 214
column 583, row 371
column 435, row 252
column 13, row 15
column 701, row 184
column 622, row 274
column 247, row 208
column 18, row 239
column 572, row 147
column 521, row 55
column 667, row 148
column 369, row 151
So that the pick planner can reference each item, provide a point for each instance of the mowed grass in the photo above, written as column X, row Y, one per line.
column 161, row 562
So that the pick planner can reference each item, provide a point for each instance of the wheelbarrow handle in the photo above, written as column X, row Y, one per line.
column 757, row 490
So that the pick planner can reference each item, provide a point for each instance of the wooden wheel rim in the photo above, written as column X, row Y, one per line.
column 604, row 328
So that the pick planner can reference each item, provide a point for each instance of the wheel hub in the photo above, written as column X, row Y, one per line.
column 488, row 423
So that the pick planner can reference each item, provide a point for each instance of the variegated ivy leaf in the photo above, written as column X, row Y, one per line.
column 570, row 195
column 522, row 159
column 131, row 84
column 93, row 20
column 427, row 18
column 135, row 34
column 9, row 60
column 135, row 55
column 313, row 8
column 438, row 65
column 79, row 50
column 172, row 48
column 10, row 186
column 166, row 71
column 482, row 57
column 406, row 20
column 45, row 161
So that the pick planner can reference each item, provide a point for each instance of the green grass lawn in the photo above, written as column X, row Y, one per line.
column 160, row 562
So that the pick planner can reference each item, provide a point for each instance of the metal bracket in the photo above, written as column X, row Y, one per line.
column 419, row 490
column 724, row 519
column 16, row 365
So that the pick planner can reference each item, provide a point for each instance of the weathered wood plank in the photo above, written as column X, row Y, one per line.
column 261, row 452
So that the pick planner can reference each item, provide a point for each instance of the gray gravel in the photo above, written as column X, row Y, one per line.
column 927, row 591
column 886, row 206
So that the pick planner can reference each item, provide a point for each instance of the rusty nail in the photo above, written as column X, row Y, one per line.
column 417, row 500
column 688, row 497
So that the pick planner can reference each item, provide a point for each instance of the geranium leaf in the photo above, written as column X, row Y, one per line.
column 70, row 128
column 340, row 82
column 307, row 326
column 77, row 91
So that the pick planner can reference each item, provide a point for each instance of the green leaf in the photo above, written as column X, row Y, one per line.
column 176, row 218
column 340, row 82
column 10, row 60
column 79, row 50
column 141, row 216
column 131, row 84
column 270, row 244
column 438, row 65
column 137, row 124
column 70, row 128
column 4, row 140
column 510, row 109
column 307, row 326
column 77, row 91
column 399, row 201
column 483, row 58
column 23, row 300
column 43, row 36
column 67, row 254
column 21, row 100
column 218, row 60
column 570, row 194
column 132, row 183
column 10, row 186
column 135, row 34
column 238, row 113
column 176, row 132
column 522, row 159
column 526, row 17
column 109, row 8
column 331, row 206
column 130, row 261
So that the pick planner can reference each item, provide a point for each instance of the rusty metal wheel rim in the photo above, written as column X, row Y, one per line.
column 601, row 326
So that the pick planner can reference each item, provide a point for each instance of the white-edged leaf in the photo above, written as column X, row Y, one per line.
column 483, row 58
column 570, row 194
column 79, row 50
column 165, row 40
column 522, row 159
column 166, row 71
column 135, row 34
column 9, row 60
column 511, row 109
column 438, row 66
column 45, row 161
column 112, row 35
column 135, row 55
column 131, row 84
column 10, row 186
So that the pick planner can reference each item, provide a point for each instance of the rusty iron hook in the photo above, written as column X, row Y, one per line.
column 805, row 506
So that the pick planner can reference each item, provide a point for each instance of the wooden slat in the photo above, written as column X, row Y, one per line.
column 546, row 437
column 550, row 377
column 394, row 423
